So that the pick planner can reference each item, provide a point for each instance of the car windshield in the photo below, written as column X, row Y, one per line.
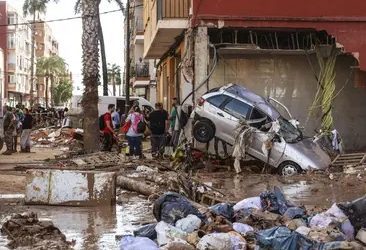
column 289, row 132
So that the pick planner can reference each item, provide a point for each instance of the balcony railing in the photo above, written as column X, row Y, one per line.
column 173, row 8
column 11, row 66
column 141, row 70
column 139, row 25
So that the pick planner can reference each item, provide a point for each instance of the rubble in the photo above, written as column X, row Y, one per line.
column 54, row 137
column 25, row 231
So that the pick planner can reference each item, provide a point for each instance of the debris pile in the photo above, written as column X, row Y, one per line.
column 268, row 221
column 53, row 137
column 25, row 231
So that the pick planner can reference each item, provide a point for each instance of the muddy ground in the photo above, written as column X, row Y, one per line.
column 100, row 228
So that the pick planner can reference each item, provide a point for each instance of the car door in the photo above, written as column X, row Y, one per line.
column 257, row 149
column 235, row 110
column 215, row 114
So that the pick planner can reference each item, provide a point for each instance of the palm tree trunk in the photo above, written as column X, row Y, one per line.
column 114, row 85
column 46, row 92
column 52, row 87
column 103, row 55
column 90, row 74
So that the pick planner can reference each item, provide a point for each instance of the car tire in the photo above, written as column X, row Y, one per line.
column 203, row 131
column 289, row 168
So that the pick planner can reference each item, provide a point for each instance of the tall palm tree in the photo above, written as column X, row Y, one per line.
column 90, row 59
column 51, row 68
column 101, row 42
column 32, row 8
column 114, row 76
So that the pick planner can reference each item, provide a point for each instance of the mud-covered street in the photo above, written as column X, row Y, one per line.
column 102, row 227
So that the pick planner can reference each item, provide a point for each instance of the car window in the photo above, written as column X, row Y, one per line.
column 258, row 118
column 217, row 100
column 237, row 109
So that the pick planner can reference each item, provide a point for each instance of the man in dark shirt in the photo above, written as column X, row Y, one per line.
column 9, row 126
column 108, row 131
column 158, row 125
column 26, row 131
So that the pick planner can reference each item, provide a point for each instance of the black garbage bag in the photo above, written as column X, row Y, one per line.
column 275, row 202
column 223, row 209
column 356, row 212
column 146, row 231
column 294, row 212
column 171, row 207
column 282, row 238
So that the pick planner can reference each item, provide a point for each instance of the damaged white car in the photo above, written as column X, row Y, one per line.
column 273, row 139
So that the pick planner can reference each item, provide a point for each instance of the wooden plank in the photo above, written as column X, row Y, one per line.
column 352, row 157
column 363, row 159
column 336, row 159
column 354, row 154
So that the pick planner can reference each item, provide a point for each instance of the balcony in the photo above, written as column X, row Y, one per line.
column 164, row 21
column 141, row 75
column 138, row 29
column 11, row 66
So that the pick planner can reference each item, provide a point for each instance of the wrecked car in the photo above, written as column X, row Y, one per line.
column 274, row 139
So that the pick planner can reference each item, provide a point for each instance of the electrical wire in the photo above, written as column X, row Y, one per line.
column 207, row 77
column 66, row 18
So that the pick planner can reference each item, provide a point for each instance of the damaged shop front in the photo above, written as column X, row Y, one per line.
column 285, row 64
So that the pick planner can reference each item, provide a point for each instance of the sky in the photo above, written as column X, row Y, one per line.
column 68, row 34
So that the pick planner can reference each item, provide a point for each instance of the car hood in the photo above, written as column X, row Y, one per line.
column 310, row 154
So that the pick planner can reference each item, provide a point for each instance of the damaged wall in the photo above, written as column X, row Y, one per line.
column 290, row 79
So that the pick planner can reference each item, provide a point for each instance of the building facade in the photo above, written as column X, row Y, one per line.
column 203, row 44
column 46, row 46
column 16, row 44
column 142, row 71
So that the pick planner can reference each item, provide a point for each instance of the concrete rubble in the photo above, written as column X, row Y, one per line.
column 26, row 231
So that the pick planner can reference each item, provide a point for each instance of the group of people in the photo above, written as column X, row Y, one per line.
column 161, row 124
column 17, row 121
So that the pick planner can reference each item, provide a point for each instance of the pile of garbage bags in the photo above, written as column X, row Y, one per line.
column 268, row 221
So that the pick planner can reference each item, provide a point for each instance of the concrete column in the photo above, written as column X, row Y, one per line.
column 201, row 60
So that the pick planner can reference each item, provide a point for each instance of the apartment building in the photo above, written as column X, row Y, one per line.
column 271, row 48
column 46, row 45
column 15, row 41
column 142, row 70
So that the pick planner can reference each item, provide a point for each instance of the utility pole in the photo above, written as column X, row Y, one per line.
column 33, row 26
column 127, row 60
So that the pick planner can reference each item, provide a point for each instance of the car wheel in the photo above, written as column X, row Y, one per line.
column 203, row 131
column 289, row 168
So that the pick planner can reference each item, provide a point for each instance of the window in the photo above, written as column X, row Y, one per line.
column 237, row 109
column 11, row 79
column 12, row 18
column 258, row 118
column 217, row 100
column 11, row 41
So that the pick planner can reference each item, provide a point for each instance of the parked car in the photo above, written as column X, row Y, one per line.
column 220, row 112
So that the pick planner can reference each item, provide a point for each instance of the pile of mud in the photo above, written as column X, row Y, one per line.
column 25, row 231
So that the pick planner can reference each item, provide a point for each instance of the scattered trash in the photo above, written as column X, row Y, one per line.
column 189, row 224
column 242, row 228
column 178, row 245
column 282, row 238
column 356, row 212
column 137, row 243
column 361, row 235
column 221, row 241
column 274, row 201
column 252, row 202
column 147, row 231
column 223, row 209
column 171, row 207
column 25, row 230
column 167, row 233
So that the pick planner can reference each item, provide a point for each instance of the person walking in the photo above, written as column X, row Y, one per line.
column 116, row 118
column 134, row 134
column 173, row 119
column 26, row 131
column 9, row 124
column 17, row 128
column 158, row 125
column 108, row 131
